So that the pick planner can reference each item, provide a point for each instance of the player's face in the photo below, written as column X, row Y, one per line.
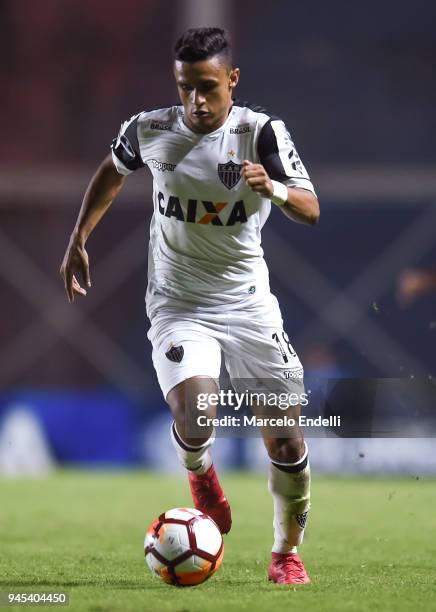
column 205, row 90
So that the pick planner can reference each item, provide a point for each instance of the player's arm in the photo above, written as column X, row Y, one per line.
column 103, row 188
column 298, row 204
column 281, row 175
column 101, row 191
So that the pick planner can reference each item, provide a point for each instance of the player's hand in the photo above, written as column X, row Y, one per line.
column 257, row 178
column 75, row 261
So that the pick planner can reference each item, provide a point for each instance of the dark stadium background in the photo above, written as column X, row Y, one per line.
column 354, row 83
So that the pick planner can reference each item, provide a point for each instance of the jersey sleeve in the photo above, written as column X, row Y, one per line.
column 126, row 153
column 278, row 155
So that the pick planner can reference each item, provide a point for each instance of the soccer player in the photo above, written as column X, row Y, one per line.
column 217, row 165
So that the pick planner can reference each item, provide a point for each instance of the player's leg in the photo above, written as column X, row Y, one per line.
column 194, row 452
column 192, row 444
column 273, row 364
column 187, row 360
column 289, row 485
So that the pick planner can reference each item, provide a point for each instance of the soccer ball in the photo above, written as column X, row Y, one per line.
column 184, row 547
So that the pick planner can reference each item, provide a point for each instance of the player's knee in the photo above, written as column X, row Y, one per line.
column 177, row 402
column 182, row 400
column 285, row 450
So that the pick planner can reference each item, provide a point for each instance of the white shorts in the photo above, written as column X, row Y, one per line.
column 256, row 349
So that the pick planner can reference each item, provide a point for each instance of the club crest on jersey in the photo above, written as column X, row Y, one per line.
column 229, row 173
column 175, row 353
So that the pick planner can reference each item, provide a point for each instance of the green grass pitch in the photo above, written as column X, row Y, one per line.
column 371, row 544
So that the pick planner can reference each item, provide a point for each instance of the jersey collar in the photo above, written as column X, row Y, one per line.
column 184, row 128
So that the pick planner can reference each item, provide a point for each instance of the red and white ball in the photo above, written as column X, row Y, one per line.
column 184, row 547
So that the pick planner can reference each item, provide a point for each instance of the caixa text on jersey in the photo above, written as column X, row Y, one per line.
column 202, row 211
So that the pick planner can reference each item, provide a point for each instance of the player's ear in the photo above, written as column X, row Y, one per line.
column 234, row 77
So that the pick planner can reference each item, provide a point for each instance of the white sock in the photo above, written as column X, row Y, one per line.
column 195, row 458
column 291, row 496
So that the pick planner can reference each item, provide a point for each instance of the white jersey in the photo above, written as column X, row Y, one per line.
column 205, row 235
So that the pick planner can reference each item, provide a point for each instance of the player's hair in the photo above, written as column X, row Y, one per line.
column 198, row 44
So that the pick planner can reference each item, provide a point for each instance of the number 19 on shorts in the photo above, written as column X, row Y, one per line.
column 281, row 346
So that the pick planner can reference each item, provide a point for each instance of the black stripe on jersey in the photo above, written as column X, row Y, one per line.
column 268, row 152
column 126, row 146
column 254, row 107
column 267, row 148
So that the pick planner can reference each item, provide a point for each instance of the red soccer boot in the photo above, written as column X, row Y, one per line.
column 287, row 569
column 209, row 497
